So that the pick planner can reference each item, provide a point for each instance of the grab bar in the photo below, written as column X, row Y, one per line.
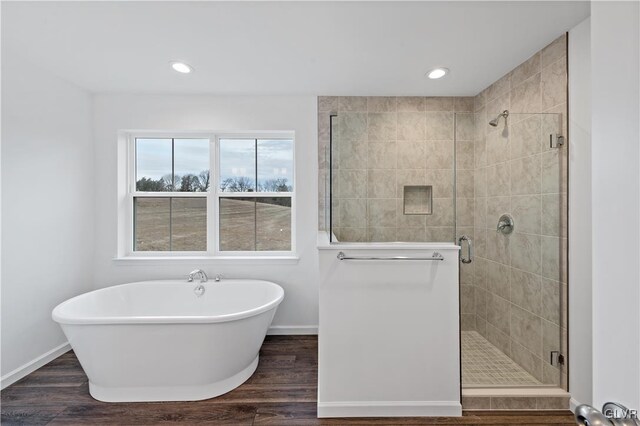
column 469, row 258
column 434, row 256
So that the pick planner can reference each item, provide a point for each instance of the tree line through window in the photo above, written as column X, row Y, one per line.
column 186, row 183
column 245, row 184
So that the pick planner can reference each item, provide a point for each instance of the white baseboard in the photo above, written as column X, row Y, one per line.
column 28, row 368
column 573, row 404
column 390, row 409
column 282, row 330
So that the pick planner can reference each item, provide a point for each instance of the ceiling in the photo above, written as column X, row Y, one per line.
column 285, row 48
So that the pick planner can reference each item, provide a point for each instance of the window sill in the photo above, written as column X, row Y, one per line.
column 160, row 260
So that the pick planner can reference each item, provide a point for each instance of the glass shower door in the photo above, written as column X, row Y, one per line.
column 513, row 294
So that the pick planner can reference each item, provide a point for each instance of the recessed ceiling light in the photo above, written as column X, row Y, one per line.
column 437, row 73
column 181, row 67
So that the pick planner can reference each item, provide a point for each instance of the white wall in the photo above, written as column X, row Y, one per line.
column 580, row 360
column 615, row 69
column 114, row 113
column 47, row 208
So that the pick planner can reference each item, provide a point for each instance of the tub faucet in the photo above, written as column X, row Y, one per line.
column 198, row 272
column 218, row 278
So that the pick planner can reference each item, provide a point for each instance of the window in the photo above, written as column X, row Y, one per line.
column 216, row 195
column 263, row 167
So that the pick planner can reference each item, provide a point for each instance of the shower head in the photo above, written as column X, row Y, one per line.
column 495, row 121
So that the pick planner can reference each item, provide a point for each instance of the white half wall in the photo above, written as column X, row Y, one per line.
column 390, row 341
column 580, row 289
column 298, row 313
column 615, row 33
column 47, row 210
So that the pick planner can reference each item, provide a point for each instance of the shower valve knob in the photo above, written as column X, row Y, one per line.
column 505, row 224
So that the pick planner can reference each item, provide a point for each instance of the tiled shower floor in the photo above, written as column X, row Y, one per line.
column 485, row 365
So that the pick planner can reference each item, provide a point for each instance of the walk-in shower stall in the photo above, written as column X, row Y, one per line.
column 488, row 172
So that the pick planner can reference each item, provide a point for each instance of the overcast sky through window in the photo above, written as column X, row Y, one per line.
column 237, row 158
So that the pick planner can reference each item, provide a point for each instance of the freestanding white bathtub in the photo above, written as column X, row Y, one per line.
column 160, row 341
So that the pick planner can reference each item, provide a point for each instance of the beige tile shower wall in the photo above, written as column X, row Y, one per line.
column 382, row 144
column 520, row 279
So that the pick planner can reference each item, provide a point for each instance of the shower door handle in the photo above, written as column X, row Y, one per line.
column 469, row 258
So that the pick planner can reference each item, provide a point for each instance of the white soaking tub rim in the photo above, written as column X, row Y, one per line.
column 62, row 315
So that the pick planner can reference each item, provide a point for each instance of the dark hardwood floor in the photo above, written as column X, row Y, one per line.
column 281, row 392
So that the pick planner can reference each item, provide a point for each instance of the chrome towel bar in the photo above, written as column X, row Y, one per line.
column 434, row 256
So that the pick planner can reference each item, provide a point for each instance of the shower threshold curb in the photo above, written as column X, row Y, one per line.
column 516, row 391
column 509, row 399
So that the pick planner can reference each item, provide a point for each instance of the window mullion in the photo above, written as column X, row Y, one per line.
column 173, row 181
column 255, row 163
column 133, row 222
column 255, row 200
column 173, row 163
column 170, row 223
column 213, row 231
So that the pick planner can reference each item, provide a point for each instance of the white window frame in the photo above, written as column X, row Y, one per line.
column 219, row 194
column 212, row 196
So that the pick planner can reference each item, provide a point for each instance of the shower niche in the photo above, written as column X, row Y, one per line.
column 417, row 199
